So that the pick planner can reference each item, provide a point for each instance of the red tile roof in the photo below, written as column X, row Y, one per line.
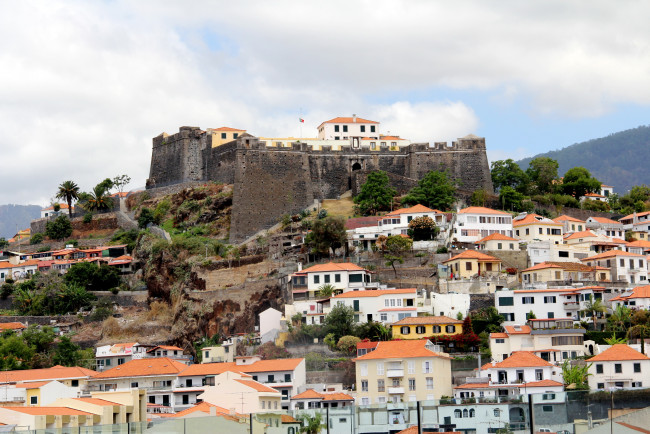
column 332, row 266
column 536, row 219
column 401, row 349
column 424, row 320
column 619, row 352
column 97, row 401
column 604, row 220
column 544, row 383
column 499, row 336
column 274, row 365
column 12, row 326
column 53, row 373
column 412, row 210
column 611, row 254
column 348, row 120
column 46, row 411
column 581, row 234
column 226, row 129
column 519, row 359
column 361, row 222
column 326, row 396
column 523, row 330
column 638, row 292
column 143, row 367
column 497, row 236
column 473, row 254
column 257, row 386
column 374, row 293
column 568, row 218
column 481, row 210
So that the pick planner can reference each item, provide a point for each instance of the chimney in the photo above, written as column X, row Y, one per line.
column 354, row 118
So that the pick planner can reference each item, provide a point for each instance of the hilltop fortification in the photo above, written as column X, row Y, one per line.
column 271, row 179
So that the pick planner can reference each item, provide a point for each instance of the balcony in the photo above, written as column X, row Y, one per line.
column 392, row 373
column 395, row 390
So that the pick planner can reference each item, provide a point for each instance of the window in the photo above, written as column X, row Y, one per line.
column 411, row 383
column 345, row 128
column 411, row 367
column 383, row 317
column 500, row 341
column 426, row 367
column 618, row 368
column 420, row 330
column 263, row 404
column 381, row 386
column 33, row 400
column 468, row 266
column 527, row 231
column 287, row 378
column 499, row 246
column 363, row 128
column 508, row 316
column 548, row 396
column 134, row 384
column 547, row 408
column 75, row 383
column 450, row 329
column 599, row 368
column 364, row 369
column 550, row 298
column 356, row 278
column 337, row 278
column 336, row 128
column 528, row 300
column 637, row 367
column 364, row 385
column 637, row 384
column 405, row 330
column 600, row 386
column 316, row 278
column 506, row 301
column 436, row 329
column 271, row 378
column 472, row 412
column 327, row 278
column 563, row 254
column 458, row 414
column 365, row 401
column 380, row 368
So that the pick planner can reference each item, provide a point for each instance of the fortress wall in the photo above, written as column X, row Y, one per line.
column 268, row 185
column 176, row 158
column 221, row 162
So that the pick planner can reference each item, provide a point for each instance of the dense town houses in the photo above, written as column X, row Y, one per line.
column 619, row 366
column 475, row 223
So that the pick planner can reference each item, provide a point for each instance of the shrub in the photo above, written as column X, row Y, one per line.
column 6, row 290
column 88, row 217
column 322, row 213
column 100, row 314
column 59, row 228
column 36, row 238
column 145, row 218
column 44, row 248
column 442, row 249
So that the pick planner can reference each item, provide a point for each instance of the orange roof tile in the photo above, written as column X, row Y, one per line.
column 542, row 266
column 481, row 210
column 348, row 120
column 499, row 336
column 12, row 326
column 203, row 407
column 544, row 383
column 581, row 234
column 46, row 411
column 61, row 205
column 285, row 418
column 631, row 216
column 637, row 292
column 257, row 386
column 327, row 396
column 166, row 347
column 604, row 220
column 412, row 210
column 533, row 218
column 568, row 218
column 473, row 254
column 53, row 373
column 32, row 385
column 619, row 352
column 375, row 293
column 226, row 129
column 496, row 236
column 332, row 266
column 523, row 330
column 401, row 349
column 639, row 243
column 307, row 394
column 274, row 365
column 519, row 359
column 143, row 367
column 593, row 195
column 611, row 254
column 423, row 320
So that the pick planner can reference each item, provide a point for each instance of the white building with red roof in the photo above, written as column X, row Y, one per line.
column 239, row 393
column 605, row 226
column 311, row 399
column 620, row 366
column 624, row 266
column 351, row 129
column 381, row 305
column 553, row 340
column 476, row 222
column 635, row 298
column 498, row 242
column 560, row 273
column 534, row 227
column 343, row 276
column 571, row 224
column 520, row 374
column 363, row 236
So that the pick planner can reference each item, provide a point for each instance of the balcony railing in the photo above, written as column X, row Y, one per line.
column 391, row 373
column 396, row 390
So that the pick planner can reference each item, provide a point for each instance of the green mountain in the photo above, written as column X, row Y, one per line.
column 16, row 216
column 620, row 159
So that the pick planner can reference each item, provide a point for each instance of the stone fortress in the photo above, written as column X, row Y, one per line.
column 276, row 176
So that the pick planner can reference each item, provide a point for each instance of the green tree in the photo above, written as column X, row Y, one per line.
column 620, row 319
column 269, row 351
column 106, row 185
column 68, row 191
column 423, row 228
column 376, row 194
column 3, row 242
column 14, row 352
column 67, row 353
column 145, row 217
column 593, row 307
column 89, row 275
column 507, row 173
column 311, row 424
column 36, row 238
column 348, row 345
column 327, row 235
column 396, row 247
column 326, row 290
column 542, row 172
column 340, row 321
column 511, row 199
column 575, row 375
column 121, row 181
column 373, row 330
column 435, row 190
column 595, row 205
column 487, row 319
column 98, row 199
column 479, row 197
column 40, row 339
column 59, row 228
column 578, row 181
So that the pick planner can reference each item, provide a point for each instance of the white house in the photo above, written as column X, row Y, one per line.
column 49, row 211
column 450, row 304
column 571, row 224
column 636, row 221
column 636, row 298
column 555, row 303
column 475, row 222
column 605, row 226
column 547, row 251
column 553, row 340
column 352, row 129
column 313, row 399
column 620, row 366
column 624, row 266
column 239, row 393
column 498, row 241
column 520, row 374
column 343, row 276
column 534, row 227
column 382, row 305
column 270, row 324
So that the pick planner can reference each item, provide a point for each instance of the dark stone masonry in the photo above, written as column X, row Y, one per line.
column 270, row 181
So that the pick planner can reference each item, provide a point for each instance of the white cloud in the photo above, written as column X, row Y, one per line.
column 87, row 84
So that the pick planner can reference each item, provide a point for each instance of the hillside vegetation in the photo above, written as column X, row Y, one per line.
column 618, row 159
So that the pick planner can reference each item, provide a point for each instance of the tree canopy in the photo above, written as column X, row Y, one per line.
column 68, row 191
column 423, row 228
column 340, row 321
column 436, row 190
column 507, row 173
column 59, row 228
column 578, row 181
column 376, row 194
column 542, row 173
column 328, row 233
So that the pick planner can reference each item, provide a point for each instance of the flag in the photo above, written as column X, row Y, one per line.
column 302, row 121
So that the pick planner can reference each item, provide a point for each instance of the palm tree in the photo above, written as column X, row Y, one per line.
column 620, row 318
column 594, row 306
column 311, row 424
column 68, row 191
column 98, row 199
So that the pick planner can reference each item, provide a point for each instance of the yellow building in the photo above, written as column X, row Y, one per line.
column 111, row 407
column 471, row 263
column 401, row 371
column 418, row 327
column 222, row 135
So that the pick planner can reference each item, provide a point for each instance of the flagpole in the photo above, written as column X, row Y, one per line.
column 300, row 122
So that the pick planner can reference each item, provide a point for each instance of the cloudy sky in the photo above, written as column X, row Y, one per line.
column 86, row 85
